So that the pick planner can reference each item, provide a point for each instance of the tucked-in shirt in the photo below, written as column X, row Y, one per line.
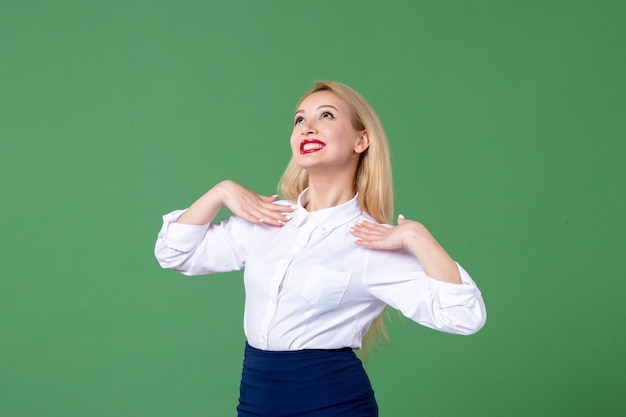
column 309, row 286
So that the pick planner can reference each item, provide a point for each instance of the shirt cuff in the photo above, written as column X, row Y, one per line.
column 181, row 237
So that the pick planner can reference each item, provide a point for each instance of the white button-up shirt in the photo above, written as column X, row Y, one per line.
column 309, row 286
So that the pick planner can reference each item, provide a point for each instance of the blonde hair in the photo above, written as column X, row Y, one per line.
column 373, row 181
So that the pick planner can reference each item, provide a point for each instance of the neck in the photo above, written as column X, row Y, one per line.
column 329, row 191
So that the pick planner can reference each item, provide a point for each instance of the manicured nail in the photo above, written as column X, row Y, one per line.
column 400, row 216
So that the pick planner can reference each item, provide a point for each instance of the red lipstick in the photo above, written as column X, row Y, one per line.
column 310, row 146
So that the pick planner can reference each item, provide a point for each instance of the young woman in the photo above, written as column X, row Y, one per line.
column 322, row 264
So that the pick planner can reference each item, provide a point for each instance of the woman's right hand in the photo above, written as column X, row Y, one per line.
column 242, row 202
column 255, row 208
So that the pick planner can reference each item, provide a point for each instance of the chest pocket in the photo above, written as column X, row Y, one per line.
column 325, row 287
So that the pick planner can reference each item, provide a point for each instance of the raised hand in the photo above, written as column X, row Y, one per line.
column 377, row 236
column 414, row 236
column 254, row 207
column 242, row 202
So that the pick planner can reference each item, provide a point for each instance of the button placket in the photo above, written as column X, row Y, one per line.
column 278, row 281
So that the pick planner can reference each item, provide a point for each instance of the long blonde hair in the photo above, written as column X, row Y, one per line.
column 373, row 181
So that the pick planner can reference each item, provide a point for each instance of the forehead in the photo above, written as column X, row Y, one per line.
column 322, row 98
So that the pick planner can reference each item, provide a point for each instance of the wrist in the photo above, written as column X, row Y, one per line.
column 416, row 237
column 414, row 232
column 220, row 191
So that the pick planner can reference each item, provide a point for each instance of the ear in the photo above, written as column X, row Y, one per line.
column 362, row 143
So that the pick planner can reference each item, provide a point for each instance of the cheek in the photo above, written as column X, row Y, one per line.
column 293, row 141
column 336, row 133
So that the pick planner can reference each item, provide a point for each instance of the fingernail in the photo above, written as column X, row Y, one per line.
column 293, row 207
column 288, row 217
column 275, row 195
column 401, row 216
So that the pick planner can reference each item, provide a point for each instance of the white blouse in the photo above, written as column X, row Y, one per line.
column 309, row 286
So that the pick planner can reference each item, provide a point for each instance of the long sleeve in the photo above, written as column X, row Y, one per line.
column 205, row 249
column 402, row 283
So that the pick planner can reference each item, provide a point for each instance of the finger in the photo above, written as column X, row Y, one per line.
column 275, row 221
column 370, row 239
column 368, row 244
column 272, row 217
column 253, row 214
column 279, row 207
column 277, row 211
column 365, row 225
column 366, row 234
column 253, row 217
column 269, row 222
column 401, row 219
column 268, row 212
column 267, row 199
column 370, row 229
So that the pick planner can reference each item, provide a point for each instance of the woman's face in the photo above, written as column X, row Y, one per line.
column 323, row 136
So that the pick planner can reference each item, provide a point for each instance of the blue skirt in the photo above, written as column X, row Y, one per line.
column 305, row 383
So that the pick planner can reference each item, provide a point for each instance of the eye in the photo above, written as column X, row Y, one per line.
column 327, row 115
column 298, row 120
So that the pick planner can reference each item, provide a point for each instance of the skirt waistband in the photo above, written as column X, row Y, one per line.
column 296, row 360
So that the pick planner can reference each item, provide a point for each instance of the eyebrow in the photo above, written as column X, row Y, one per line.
column 320, row 107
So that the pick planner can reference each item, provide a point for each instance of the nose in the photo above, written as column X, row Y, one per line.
column 308, row 128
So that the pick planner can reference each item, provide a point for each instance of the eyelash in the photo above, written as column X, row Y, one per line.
column 323, row 115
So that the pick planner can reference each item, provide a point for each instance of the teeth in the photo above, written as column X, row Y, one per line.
column 311, row 146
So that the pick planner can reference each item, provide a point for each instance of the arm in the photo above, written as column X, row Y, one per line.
column 244, row 203
column 426, row 285
column 413, row 235
column 189, row 243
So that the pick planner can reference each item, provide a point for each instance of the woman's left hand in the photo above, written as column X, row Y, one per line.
column 413, row 235
column 377, row 236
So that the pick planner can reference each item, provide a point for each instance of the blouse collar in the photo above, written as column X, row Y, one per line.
column 328, row 218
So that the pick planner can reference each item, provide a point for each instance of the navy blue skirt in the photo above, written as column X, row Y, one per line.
column 305, row 383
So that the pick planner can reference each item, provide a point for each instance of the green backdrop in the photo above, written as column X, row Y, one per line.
column 506, row 122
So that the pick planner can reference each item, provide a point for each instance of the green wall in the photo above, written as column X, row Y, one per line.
column 506, row 121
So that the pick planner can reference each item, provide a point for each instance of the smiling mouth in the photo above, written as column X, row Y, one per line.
column 311, row 145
